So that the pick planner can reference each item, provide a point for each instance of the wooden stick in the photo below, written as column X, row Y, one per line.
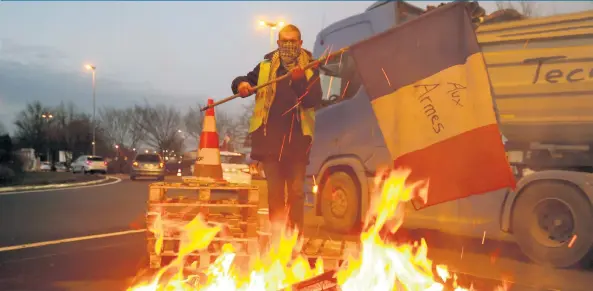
column 308, row 66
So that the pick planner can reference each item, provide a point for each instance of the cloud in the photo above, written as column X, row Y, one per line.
column 27, row 74
column 10, row 50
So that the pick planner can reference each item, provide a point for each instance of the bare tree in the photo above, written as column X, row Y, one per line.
column 526, row 8
column 119, row 126
column 65, row 118
column 31, row 128
column 161, row 124
column 235, row 126
column 243, row 124
column 225, row 123
column 136, row 133
column 193, row 121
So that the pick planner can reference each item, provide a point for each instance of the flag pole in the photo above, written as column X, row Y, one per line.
column 308, row 66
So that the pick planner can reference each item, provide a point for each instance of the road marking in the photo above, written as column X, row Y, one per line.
column 68, row 240
column 117, row 180
column 44, row 256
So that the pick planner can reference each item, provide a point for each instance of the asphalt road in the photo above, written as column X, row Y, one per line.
column 110, row 263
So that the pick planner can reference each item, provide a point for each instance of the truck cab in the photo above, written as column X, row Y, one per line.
column 349, row 147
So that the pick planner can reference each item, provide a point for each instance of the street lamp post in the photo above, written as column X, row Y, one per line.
column 272, row 26
column 47, row 117
column 93, row 69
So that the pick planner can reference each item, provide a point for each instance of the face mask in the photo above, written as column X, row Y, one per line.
column 289, row 52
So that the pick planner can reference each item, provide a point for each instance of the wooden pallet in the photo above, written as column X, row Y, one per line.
column 157, row 191
column 323, row 282
column 237, row 216
column 244, row 249
column 185, row 207
column 332, row 252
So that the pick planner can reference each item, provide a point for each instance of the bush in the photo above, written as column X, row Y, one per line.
column 12, row 171
column 11, row 166
column 7, row 175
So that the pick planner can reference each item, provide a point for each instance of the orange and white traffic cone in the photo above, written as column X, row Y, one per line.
column 207, row 166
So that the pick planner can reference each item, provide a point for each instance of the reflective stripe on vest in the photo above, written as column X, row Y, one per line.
column 307, row 115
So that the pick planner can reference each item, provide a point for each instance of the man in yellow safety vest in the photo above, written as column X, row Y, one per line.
column 283, row 123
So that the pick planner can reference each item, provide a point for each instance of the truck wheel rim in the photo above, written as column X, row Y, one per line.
column 554, row 224
column 339, row 203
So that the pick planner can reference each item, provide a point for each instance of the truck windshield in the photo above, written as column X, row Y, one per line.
column 331, row 82
column 339, row 80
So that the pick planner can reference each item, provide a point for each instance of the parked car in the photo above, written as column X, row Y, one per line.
column 148, row 165
column 234, row 168
column 45, row 166
column 61, row 167
column 89, row 164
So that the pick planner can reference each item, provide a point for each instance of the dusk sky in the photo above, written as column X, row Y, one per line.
column 179, row 53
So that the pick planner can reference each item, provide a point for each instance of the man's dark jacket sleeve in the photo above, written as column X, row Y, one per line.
column 251, row 77
column 309, row 91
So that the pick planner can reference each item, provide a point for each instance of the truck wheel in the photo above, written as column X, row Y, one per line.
column 552, row 224
column 340, row 202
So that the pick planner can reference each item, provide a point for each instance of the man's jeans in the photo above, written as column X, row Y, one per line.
column 291, row 175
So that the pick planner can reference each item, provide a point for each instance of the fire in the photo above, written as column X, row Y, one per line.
column 380, row 265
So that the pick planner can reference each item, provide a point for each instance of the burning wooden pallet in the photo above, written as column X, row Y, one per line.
column 332, row 252
column 237, row 217
column 323, row 282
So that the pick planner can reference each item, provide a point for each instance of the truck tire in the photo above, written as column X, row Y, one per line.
column 340, row 202
column 552, row 223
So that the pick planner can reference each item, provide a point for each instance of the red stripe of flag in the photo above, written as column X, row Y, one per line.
column 453, row 178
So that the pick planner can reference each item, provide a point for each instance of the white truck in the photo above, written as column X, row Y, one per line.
column 542, row 74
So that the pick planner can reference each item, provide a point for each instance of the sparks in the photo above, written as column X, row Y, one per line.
column 328, row 53
column 291, row 126
column 282, row 148
column 386, row 78
column 329, row 86
column 299, row 101
column 326, row 50
column 309, row 148
column 572, row 240
column 345, row 88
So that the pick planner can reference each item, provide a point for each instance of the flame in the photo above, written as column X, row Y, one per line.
column 379, row 265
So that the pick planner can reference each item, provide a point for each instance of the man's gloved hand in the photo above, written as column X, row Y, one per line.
column 297, row 73
column 245, row 89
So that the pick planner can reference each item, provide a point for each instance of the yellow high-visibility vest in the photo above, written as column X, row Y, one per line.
column 260, row 112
